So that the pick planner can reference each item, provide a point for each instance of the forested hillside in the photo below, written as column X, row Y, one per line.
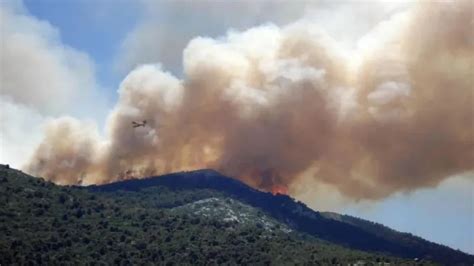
column 339, row 229
column 42, row 223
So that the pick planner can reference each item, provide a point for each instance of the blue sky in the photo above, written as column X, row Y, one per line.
column 103, row 29
column 94, row 27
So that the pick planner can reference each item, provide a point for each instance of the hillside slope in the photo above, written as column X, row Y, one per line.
column 338, row 229
column 42, row 223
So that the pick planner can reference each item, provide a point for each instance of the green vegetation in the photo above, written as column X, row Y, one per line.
column 41, row 223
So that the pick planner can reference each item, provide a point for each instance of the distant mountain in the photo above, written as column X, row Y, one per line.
column 343, row 230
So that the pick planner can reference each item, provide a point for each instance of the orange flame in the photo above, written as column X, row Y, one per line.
column 279, row 189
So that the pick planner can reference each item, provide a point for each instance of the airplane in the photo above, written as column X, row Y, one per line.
column 142, row 124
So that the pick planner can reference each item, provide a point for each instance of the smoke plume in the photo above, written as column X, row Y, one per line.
column 270, row 104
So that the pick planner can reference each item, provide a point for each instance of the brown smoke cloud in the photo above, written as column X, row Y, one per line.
column 267, row 104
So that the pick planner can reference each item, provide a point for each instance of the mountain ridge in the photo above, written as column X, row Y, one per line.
column 198, row 201
column 350, row 231
column 43, row 223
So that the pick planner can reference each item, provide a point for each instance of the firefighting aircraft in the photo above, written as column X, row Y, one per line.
column 138, row 124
